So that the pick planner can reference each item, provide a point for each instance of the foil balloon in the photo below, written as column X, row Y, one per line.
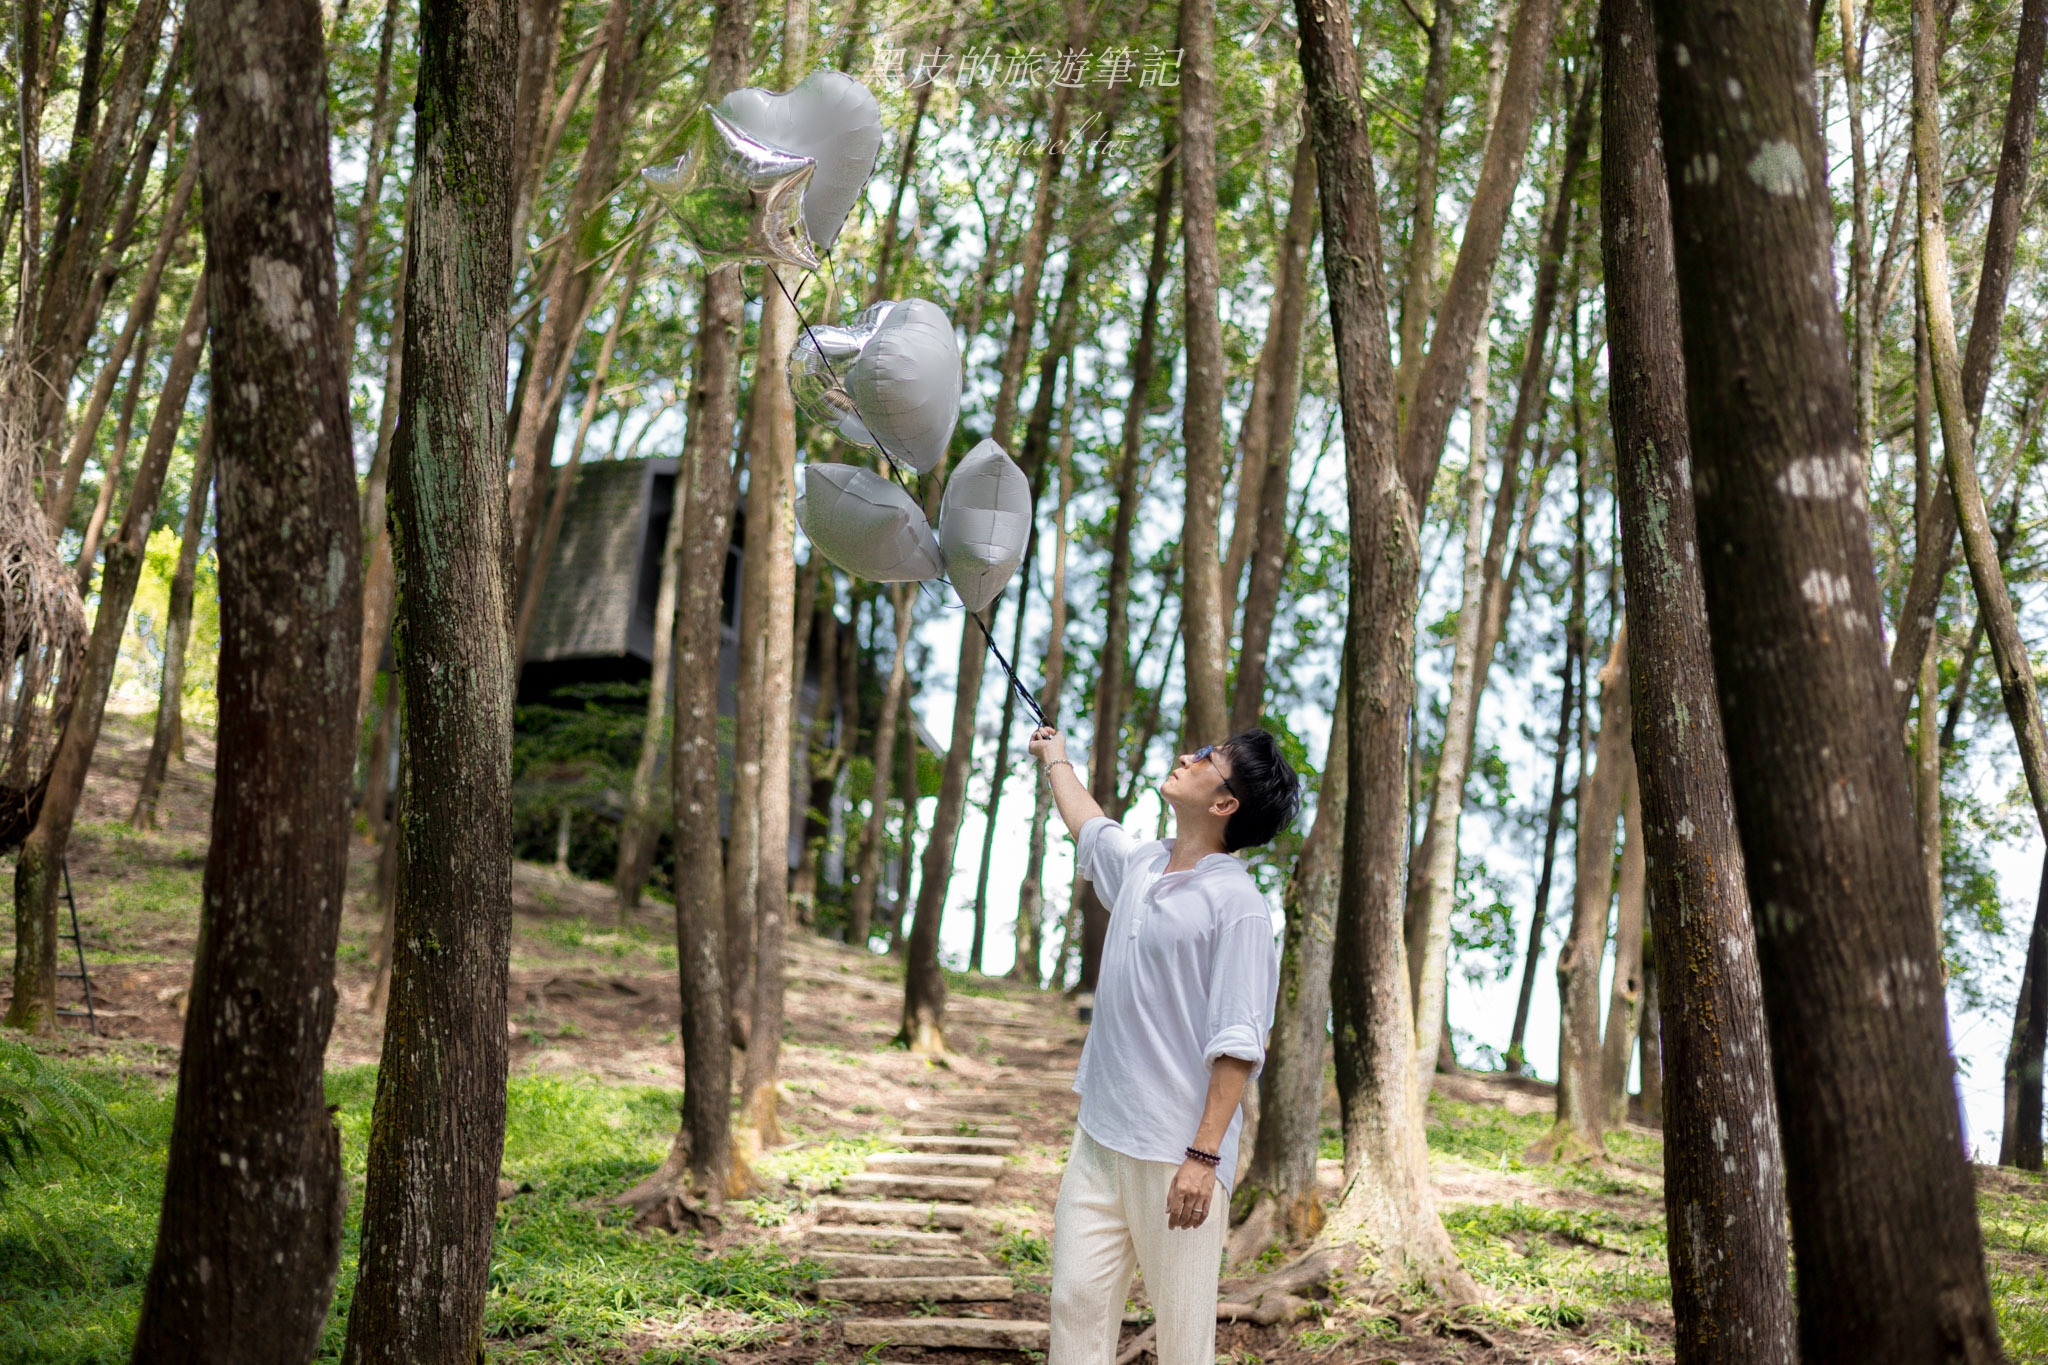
column 984, row 521
column 818, row 369
column 736, row 197
column 829, row 117
column 905, row 384
column 866, row 525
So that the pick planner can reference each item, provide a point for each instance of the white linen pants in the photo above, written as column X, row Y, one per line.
column 1111, row 1216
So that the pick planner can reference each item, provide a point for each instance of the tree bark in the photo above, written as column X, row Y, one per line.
column 170, row 702
column 249, row 1239
column 1031, row 893
column 1387, row 1210
column 1625, row 994
column 438, row 1132
column 1926, row 735
column 39, row 868
column 2020, row 1143
column 1882, row 1211
column 380, row 579
column 1278, row 1199
column 384, row 114
column 1469, row 295
column 1111, row 685
column 1581, row 1109
column 1863, row 340
column 1204, row 620
column 1934, row 554
column 1270, row 540
column 902, row 598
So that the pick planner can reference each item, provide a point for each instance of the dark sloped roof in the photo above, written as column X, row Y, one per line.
column 592, row 594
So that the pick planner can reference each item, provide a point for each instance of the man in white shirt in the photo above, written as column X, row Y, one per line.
column 1183, row 1001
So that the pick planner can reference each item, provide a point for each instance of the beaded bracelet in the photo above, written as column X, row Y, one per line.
column 1056, row 763
column 1209, row 1159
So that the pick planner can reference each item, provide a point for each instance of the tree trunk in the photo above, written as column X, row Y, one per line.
column 141, row 310
column 2020, row 1144
column 1863, row 340
column 1934, row 553
column 1427, row 915
column 177, row 636
column 38, row 870
column 1650, row 1087
column 594, row 177
column 771, row 523
column 924, row 983
column 1031, row 894
column 902, row 597
column 1420, row 277
column 1890, row 1263
column 1468, row 298
column 110, row 468
column 1204, row 620
column 1111, row 685
column 1581, row 1108
column 1387, row 1211
column 250, row 1234
column 1926, row 735
column 438, row 1133
column 638, row 833
column 380, row 579
column 384, row 114
column 1625, row 994
column 906, row 845
column 1278, row 1199
column 1987, row 575
column 1270, row 541
column 1539, row 917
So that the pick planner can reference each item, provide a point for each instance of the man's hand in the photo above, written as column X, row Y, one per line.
column 1047, row 745
column 1187, row 1198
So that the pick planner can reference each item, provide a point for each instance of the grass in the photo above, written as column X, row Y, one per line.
column 570, row 1280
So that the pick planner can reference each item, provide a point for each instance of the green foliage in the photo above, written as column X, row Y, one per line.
column 139, row 671
column 45, row 1113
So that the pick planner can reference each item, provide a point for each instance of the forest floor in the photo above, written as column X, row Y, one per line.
column 1572, row 1258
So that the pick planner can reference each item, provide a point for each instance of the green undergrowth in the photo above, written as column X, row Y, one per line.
column 1489, row 1136
column 570, row 1280
column 1553, row 1265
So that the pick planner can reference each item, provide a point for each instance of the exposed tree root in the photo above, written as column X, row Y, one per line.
column 1564, row 1144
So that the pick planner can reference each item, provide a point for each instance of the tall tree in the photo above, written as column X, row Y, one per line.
column 924, row 985
column 861, row 910
column 1204, row 620
column 38, row 869
column 1113, row 685
column 165, row 738
column 438, row 1131
column 1934, row 554
column 1890, row 1263
column 1387, row 1210
column 1625, row 993
column 1581, row 1112
column 249, row 1238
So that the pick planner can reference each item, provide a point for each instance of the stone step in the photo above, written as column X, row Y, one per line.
column 960, row 1334
column 886, row 1240
column 927, row 1126
column 933, row 1142
column 957, row 1188
column 904, row 1215
column 919, row 1289
column 936, row 1163
column 956, row 1102
column 863, row 1265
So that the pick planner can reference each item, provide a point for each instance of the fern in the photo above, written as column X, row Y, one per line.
column 44, row 1113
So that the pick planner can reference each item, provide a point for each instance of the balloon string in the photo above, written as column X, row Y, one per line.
column 1016, row 684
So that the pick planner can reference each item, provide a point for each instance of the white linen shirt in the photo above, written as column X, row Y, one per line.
column 1189, row 974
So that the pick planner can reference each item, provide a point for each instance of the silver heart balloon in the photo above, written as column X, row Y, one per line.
column 736, row 197
column 829, row 117
column 818, row 368
column 906, row 384
column 984, row 521
column 866, row 525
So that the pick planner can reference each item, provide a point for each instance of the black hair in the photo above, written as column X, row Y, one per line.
column 1267, row 790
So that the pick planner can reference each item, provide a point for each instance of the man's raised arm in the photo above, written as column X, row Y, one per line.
column 1069, row 793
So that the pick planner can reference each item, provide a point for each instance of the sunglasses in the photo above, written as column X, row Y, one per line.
column 1206, row 752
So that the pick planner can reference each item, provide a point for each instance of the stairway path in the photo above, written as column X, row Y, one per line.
column 895, row 1236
